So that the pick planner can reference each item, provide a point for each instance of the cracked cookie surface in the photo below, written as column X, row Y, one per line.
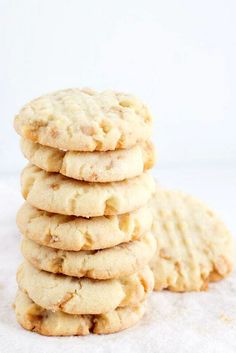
column 92, row 166
column 35, row 318
column 83, row 295
column 193, row 245
column 118, row 261
column 77, row 233
column 53, row 192
column 85, row 120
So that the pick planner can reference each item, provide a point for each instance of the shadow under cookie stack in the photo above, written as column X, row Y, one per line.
column 86, row 220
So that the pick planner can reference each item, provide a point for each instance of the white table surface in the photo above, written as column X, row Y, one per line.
column 191, row 322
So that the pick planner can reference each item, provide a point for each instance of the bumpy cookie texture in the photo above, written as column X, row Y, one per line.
column 92, row 166
column 118, row 261
column 77, row 233
column 83, row 296
column 53, row 192
column 193, row 245
column 85, row 120
column 35, row 318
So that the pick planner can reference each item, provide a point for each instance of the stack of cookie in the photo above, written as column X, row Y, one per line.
column 86, row 221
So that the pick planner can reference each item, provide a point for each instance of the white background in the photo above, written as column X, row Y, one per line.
column 180, row 58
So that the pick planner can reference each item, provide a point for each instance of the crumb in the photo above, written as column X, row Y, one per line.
column 225, row 318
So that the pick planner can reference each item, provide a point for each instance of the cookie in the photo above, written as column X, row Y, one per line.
column 77, row 233
column 83, row 295
column 193, row 245
column 85, row 120
column 35, row 318
column 53, row 192
column 118, row 261
column 92, row 166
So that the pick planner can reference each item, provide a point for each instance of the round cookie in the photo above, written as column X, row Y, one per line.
column 121, row 260
column 83, row 296
column 85, row 120
column 77, row 233
column 92, row 166
column 45, row 322
column 193, row 245
column 53, row 192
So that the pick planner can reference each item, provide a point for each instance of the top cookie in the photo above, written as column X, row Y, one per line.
column 85, row 120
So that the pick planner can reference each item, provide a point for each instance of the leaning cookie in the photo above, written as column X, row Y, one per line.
column 53, row 192
column 193, row 246
column 85, row 120
column 77, row 233
column 83, row 295
column 35, row 318
column 118, row 261
column 92, row 166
